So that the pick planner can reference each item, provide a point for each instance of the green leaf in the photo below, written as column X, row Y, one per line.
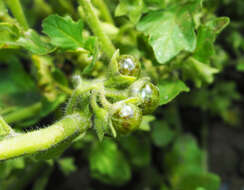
column 9, row 33
column 35, row 43
column 67, row 165
column 146, row 120
column 200, row 71
column 170, row 32
column 169, row 89
column 240, row 65
column 131, row 8
column 63, row 31
column 218, row 24
column 206, row 36
column 9, row 165
column 184, row 154
column 108, row 164
column 162, row 134
column 187, row 168
column 193, row 181
column 91, row 45
column 17, row 89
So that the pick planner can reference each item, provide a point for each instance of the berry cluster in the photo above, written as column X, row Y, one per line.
column 119, row 100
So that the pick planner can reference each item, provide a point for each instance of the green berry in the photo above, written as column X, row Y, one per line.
column 123, row 70
column 148, row 93
column 129, row 66
column 125, row 117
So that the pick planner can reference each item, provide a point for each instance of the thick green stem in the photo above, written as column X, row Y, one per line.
column 43, row 139
column 16, row 9
column 24, row 113
column 105, row 13
column 96, row 27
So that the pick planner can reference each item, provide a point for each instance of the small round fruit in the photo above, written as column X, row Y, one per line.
column 125, row 117
column 148, row 93
column 129, row 66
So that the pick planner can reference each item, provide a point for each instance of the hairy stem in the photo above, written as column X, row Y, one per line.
column 24, row 113
column 104, row 10
column 116, row 94
column 96, row 27
column 43, row 139
column 16, row 9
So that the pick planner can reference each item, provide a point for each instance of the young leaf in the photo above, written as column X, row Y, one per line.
column 170, row 32
column 169, row 89
column 201, row 71
column 64, row 32
column 34, row 43
column 91, row 45
column 206, row 36
column 131, row 8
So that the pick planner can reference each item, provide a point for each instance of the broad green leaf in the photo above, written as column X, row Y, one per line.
column 169, row 89
column 67, row 165
column 35, row 43
column 162, row 134
column 64, row 32
column 131, row 8
column 170, row 31
column 108, row 164
column 139, row 156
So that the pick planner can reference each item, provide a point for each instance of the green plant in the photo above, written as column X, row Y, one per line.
column 108, row 64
